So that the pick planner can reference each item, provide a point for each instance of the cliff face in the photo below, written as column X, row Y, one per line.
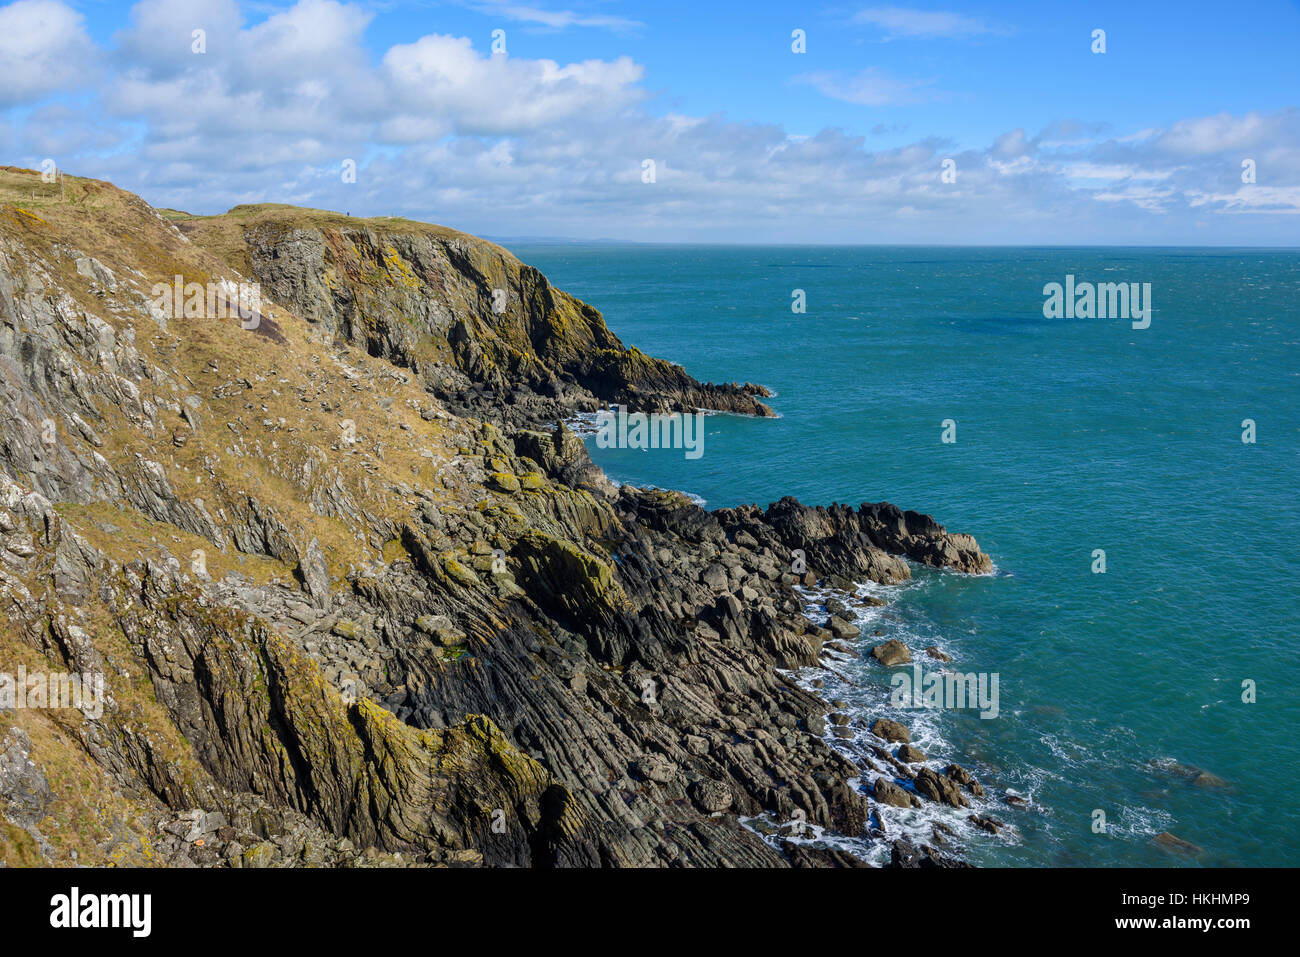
column 483, row 332
column 341, row 621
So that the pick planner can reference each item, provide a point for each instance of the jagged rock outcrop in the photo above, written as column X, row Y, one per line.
column 485, row 333
column 339, row 623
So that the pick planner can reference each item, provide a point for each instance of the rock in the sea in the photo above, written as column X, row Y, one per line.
column 904, row 854
column 938, row 788
column 910, row 755
column 841, row 628
column 890, row 730
column 1189, row 772
column 887, row 792
column 1170, row 842
column 959, row 775
column 893, row 652
column 986, row 823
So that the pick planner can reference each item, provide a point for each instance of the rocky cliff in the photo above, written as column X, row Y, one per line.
column 355, row 596
column 483, row 332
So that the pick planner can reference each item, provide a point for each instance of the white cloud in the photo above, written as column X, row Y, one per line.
column 44, row 49
column 1114, row 171
column 869, row 87
column 1011, row 144
column 1140, row 135
column 1214, row 134
column 560, row 19
column 1146, row 198
column 494, row 94
column 1252, row 199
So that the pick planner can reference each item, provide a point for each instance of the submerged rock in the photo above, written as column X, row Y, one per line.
column 1189, row 773
column 1169, row 842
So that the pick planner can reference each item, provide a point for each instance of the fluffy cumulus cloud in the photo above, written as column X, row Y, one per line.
column 439, row 129
column 443, row 76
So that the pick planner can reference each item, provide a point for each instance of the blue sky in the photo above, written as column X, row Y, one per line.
column 751, row 142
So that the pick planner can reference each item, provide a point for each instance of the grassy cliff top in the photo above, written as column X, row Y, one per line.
column 224, row 233
column 66, row 202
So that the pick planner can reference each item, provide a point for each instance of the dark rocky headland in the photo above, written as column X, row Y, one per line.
column 356, row 595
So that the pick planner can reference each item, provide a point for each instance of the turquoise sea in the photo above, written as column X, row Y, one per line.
column 1071, row 435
